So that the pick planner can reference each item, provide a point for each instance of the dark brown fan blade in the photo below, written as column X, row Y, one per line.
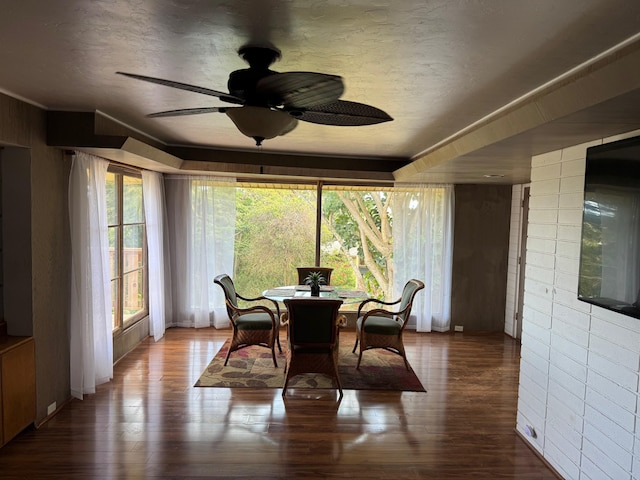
column 186, row 111
column 300, row 89
column 343, row 113
column 225, row 97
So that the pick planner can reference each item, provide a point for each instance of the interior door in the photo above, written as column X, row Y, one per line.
column 522, row 260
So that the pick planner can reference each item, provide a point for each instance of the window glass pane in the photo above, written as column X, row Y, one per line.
column 114, row 303
column 132, row 200
column 275, row 233
column 127, row 247
column 133, row 251
column 357, row 239
column 113, row 251
column 112, row 199
column 132, row 294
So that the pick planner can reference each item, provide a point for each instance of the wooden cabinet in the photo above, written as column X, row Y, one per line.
column 17, row 386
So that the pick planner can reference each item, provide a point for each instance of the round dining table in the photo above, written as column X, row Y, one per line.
column 348, row 296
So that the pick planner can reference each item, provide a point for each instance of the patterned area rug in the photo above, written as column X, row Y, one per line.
column 252, row 367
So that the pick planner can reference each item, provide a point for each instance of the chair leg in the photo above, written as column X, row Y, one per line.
column 356, row 346
column 404, row 357
column 406, row 363
column 284, row 387
column 278, row 340
column 335, row 369
column 227, row 357
column 272, row 346
column 403, row 354
column 233, row 344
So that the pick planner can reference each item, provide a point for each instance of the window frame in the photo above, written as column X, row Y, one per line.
column 119, row 324
column 320, row 188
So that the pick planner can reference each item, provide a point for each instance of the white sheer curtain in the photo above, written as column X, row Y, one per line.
column 91, row 339
column 423, row 249
column 158, row 257
column 201, row 216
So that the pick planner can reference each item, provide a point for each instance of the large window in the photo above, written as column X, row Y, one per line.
column 357, row 238
column 275, row 233
column 127, row 247
column 277, row 230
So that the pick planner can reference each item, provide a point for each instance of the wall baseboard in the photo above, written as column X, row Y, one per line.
column 539, row 455
column 130, row 338
column 40, row 423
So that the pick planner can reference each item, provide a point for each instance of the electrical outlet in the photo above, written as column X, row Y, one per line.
column 530, row 431
column 458, row 328
column 51, row 408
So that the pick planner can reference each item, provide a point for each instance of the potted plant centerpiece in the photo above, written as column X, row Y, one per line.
column 314, row 280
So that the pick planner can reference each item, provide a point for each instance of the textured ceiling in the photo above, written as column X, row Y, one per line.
column 474, row 87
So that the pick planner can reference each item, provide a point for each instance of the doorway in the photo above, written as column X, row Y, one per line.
column 522, row 260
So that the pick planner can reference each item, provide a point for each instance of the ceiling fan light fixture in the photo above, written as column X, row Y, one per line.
column 272, row 103
column 261, row 123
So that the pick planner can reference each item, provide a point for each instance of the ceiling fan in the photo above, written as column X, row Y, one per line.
column 269, row 103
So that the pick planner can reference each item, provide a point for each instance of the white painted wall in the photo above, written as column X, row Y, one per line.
column 580, row 363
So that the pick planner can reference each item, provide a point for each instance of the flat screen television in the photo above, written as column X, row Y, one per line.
column 609, row 274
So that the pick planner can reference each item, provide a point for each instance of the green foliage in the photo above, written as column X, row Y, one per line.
column 363, row 221
column 343, row 273
column 132, row 210
column 132, row 207
column 275, row 233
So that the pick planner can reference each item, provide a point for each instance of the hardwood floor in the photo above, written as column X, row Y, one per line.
column 150, row 422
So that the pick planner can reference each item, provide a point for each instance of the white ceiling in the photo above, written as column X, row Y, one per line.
column 474, row 87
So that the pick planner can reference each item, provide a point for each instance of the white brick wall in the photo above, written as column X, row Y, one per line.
column 579, row 381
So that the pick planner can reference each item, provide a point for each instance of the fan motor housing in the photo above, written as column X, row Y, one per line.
column 259, row 57
column 242, row 84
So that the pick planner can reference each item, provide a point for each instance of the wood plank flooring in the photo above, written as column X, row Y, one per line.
column 150, row 422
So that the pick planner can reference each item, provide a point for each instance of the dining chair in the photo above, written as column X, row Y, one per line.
column 312, row 325
column 382, row 327
column 303, row 272
column 254, row 325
